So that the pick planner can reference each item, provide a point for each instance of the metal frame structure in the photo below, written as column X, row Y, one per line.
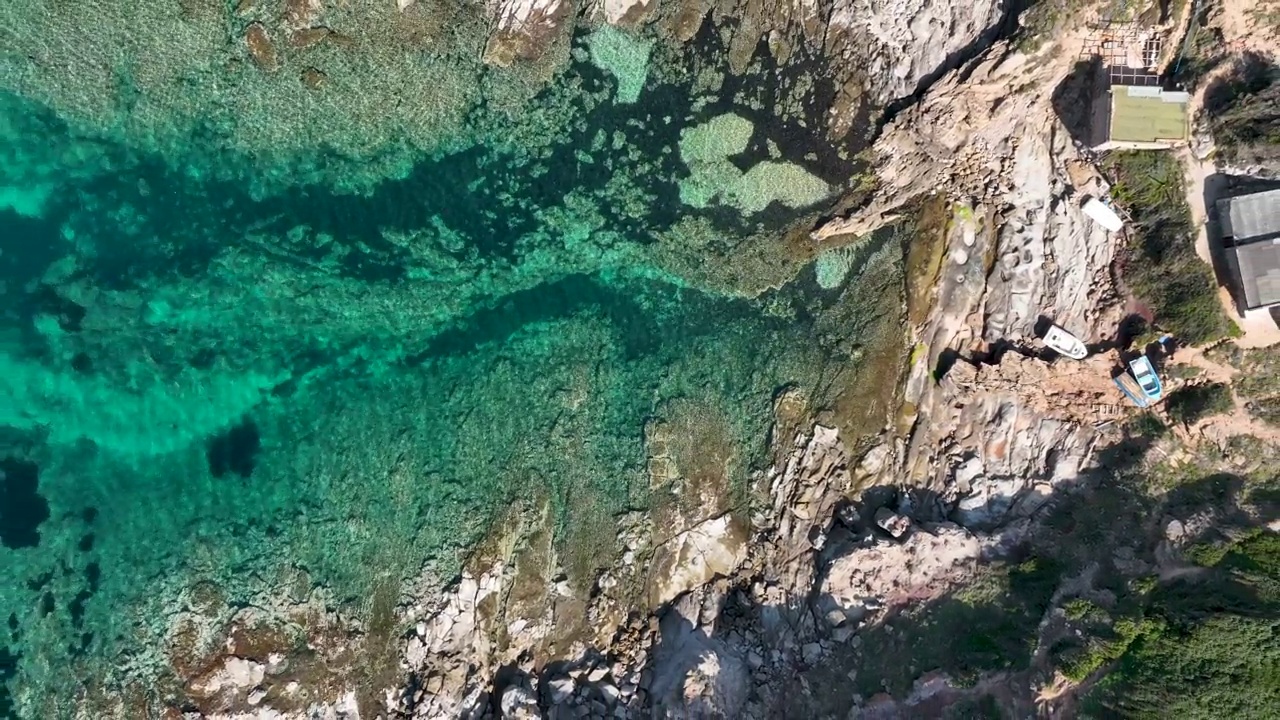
column 1130, row 52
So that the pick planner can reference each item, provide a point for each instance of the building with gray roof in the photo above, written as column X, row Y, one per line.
column 1251, row 235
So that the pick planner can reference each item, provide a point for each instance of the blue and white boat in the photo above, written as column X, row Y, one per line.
column 1147, row 379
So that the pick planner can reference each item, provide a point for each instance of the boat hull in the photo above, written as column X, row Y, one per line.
column 1064, row 343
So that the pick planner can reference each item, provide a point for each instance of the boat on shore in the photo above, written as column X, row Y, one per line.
column 1147, row 378
column 1103, row 214
column 1064, row 343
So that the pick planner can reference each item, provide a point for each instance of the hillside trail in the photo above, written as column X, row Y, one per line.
column 1220, row 428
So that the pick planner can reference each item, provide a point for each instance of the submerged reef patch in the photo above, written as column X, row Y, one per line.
column 624, row 56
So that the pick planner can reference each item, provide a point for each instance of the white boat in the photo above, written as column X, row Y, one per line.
column 1064, row 343
column 1103, row 215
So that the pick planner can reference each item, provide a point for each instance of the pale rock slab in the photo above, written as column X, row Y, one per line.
column 692, row 558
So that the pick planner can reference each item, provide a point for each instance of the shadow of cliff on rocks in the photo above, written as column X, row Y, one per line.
column 764, row 660
column 1080, row 103
column 885, row 641
column 997, row 634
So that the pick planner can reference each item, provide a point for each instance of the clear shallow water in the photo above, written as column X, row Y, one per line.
column 205, row 388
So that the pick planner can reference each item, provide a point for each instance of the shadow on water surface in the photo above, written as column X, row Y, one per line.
column 235, row 451
column 22, row 507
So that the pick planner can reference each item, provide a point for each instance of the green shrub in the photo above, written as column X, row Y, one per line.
column 1144, row 585
column 1160, row 265
column 1033, row 583
column 1266, row 409
column 1225, row 667
column 1037, row 24
column 982, row 708
column 1207, row 554
column 1212, row 647
column 990, row 626
column 1080, row 609
column 1244, row 112
column 1146, row 424
column 1203, row 49
column 1107, row 645
column 1196, row 402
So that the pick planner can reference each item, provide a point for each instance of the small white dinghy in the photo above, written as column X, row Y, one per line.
column 1104, row 215
column 1064, row 343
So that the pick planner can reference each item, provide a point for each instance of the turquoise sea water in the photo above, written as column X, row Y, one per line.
column 205, row 385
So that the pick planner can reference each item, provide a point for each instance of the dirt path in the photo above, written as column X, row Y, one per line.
column 1221, row 428
column 1197, row 173
column 1213, row 371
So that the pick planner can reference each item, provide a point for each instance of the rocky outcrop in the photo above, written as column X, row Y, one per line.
column 694, row 557
column 626, row 12
column 261, row 48
column 302, row 14
column 910, row 40
column 522, row 29
column 1005, row 425
column 879, row 52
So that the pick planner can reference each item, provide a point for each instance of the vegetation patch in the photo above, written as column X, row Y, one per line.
column 1197, row 643
column 1193, row 403
column 1213, row 647
column 1266, row 409
column 1244, row 112
column 1147, row 424
column 925, row 251
column 1204, row 46
column 1038, row 22
column 1108, row 643
column 1258, row 383
column 989, row 626
column 1159, row 261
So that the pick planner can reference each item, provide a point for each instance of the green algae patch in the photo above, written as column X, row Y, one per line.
column 832, row 266
column 751, row 192
column 715, row 139
column 708, row 182
column 624, row 56
column 706, row 149
column 782, row 182
column 27, row 202
column 925, row 254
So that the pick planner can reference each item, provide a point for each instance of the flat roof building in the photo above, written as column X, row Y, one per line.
column 1247, row 218
column 1140, row 117
column 1251, row 233
column 1257, row 266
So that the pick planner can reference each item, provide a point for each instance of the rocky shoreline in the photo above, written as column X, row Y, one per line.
column 746, row 616
column 802, row 590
